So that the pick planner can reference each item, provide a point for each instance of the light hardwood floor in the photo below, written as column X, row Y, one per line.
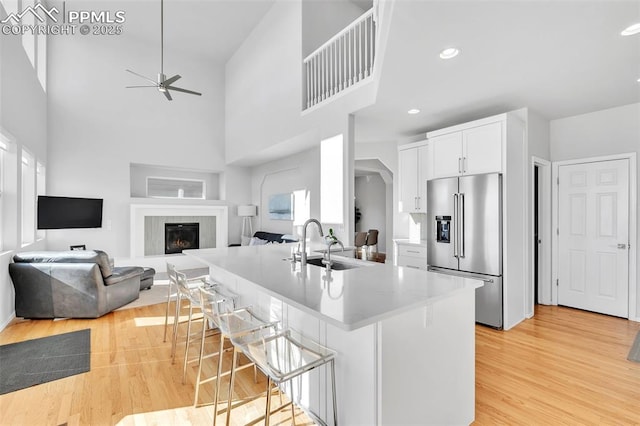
column 562, row 367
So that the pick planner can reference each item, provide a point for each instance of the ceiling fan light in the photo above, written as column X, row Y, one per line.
column 631, row 30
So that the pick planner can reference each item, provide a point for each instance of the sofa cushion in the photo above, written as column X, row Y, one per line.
column 123, row 273
column 104, row 263
column 70, row 256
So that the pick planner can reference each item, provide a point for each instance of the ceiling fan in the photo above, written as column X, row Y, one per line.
column 164, row 84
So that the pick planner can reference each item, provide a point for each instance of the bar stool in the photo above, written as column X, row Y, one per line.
column 208, row 297
column 282, row 357
column 173, row 286
column 192, row 297
column 234, row 325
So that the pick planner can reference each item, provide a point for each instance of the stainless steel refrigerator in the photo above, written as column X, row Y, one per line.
column 464, row 225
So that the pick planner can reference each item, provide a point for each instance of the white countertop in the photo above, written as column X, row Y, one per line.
column 408, row 242
column 348, row 299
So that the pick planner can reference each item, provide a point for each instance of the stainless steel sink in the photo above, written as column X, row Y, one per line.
column 336, row 266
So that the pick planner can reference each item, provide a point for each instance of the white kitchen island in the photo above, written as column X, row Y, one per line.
column 404, row 338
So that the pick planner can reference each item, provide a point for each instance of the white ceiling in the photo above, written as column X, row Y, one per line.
column 559, row 58
column 213, row 29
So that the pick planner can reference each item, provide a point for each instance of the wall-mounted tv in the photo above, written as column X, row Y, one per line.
column 68, row 212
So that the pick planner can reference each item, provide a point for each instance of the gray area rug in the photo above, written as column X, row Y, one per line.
column 37, row 361
column 634, row 353
column 158, row 291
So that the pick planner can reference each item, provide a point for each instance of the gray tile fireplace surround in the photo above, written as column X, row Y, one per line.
column 154, row 231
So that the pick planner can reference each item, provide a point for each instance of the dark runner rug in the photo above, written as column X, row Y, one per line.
column 37, row 361
column 634, row 353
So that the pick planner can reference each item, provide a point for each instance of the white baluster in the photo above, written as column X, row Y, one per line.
column 360, row 52
column 308, row 79
column 353, row 55
column 366, row 47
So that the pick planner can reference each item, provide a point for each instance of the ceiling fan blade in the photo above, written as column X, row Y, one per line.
column 136, row 87
column 178, row 89
column 167, row 95
column 172, row 79
column 140, row 75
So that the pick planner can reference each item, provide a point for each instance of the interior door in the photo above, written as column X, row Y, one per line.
column 593, row 239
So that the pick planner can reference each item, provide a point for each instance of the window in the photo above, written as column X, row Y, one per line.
column 332, row 180
column 28, row 198
column 41, row 190
column 28, row 37
column 3, row 149
column 159, row 187
column 41, row 63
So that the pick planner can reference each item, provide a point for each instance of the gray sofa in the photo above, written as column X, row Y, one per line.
column 71, row 284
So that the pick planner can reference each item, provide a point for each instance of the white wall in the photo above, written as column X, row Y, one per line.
column 600, row 133
column 371, row 200
column 263, row 98
column 97, row 127
column 296, row 172
column 322, row 19
column 23, row 114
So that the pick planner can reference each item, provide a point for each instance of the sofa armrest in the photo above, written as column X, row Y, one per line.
column 58, row 290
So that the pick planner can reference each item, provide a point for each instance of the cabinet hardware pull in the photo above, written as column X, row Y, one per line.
column 459, row 166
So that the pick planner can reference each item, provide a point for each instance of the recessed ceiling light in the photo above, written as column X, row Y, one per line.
column 413, row 111
column 631, row 30
column 449, row 53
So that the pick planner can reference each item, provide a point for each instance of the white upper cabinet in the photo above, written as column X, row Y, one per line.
column 482, row 149
column 447, row 150
column 464, row 151
column 414, row 166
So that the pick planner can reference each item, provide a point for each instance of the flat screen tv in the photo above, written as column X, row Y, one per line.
column 68, row 212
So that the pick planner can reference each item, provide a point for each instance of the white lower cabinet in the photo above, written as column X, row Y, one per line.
column 411, row 254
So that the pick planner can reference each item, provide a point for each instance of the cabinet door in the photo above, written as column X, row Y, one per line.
column 482, row 149
column 423, row 168
column 408, row 182
column 447, row 154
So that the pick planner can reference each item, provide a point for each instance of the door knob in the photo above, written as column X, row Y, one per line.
column 622, row 246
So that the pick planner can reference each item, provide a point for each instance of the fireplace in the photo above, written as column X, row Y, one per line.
column 181, row 236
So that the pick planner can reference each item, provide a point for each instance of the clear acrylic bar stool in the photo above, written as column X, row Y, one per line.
column 233, row 325
column 209, row 296
column 192, row 296
column 282, row 357
column 172, row 289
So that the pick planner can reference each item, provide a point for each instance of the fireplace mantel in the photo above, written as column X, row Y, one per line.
column 141, row 210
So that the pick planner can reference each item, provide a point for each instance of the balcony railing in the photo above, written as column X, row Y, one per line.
column 343, row 61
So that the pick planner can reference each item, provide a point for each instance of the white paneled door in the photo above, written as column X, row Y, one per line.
column 593, row 215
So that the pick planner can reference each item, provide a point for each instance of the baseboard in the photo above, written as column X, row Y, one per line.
column 8, row 321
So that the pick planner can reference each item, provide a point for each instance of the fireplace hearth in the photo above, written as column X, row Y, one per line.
column 181, row 236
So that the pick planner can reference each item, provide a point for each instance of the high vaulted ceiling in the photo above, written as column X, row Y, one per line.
column 559, row 58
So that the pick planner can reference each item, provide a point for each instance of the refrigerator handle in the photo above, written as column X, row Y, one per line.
column 461, row 221
column 455, row 225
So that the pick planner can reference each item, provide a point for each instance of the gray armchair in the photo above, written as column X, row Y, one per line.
column 71, row 284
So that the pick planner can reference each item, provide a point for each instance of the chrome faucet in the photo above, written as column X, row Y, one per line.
column 329, row 241
column 303, row 252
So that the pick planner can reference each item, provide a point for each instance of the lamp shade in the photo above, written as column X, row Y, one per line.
column 247, row 211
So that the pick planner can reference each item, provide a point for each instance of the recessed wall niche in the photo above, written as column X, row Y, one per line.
column 148, row 181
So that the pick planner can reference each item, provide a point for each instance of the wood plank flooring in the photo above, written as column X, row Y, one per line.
column 562, row 367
